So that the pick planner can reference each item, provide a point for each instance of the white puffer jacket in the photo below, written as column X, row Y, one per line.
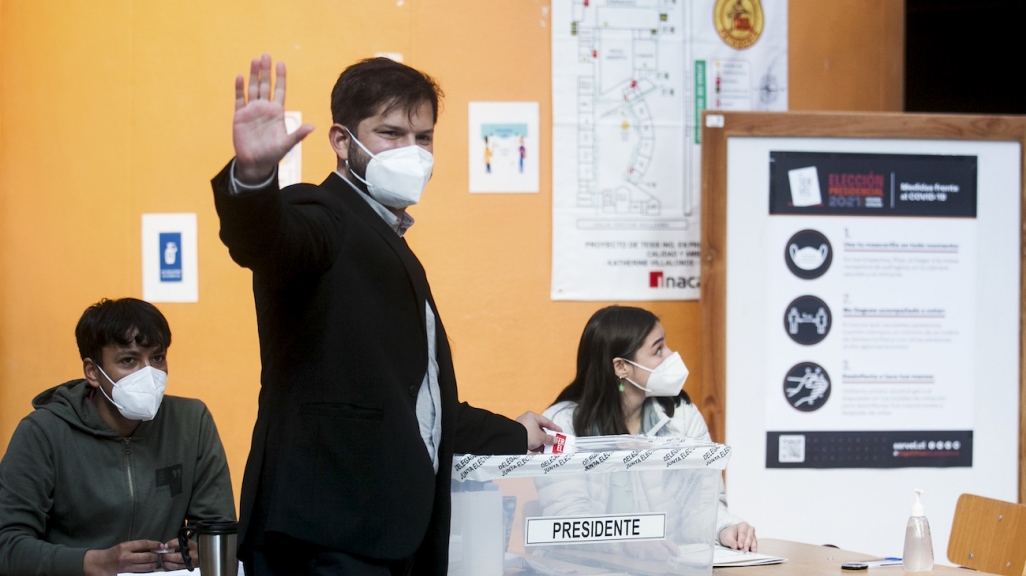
column 562, row 498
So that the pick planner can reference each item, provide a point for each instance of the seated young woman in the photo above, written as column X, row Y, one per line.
column 629, row 382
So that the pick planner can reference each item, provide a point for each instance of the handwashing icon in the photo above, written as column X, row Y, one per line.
column 813, row 381
column 170, row 254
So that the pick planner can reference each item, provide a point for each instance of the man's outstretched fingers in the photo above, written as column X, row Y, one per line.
column 254, row 79
column 265, row 77
column 300, row 133
column 240, row 92
column 279, row 84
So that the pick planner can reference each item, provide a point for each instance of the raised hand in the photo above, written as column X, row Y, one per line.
column 258, row 129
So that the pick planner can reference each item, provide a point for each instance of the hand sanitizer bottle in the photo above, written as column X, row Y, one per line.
column 918, row 545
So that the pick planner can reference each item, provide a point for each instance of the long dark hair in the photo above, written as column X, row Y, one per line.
column 613, row 332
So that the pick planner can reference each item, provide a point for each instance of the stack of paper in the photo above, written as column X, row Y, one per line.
column 725, row 558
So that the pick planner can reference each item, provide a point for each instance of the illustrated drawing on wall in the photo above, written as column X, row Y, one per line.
column 503, row 144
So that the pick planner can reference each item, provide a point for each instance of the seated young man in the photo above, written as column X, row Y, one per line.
column 106, row 469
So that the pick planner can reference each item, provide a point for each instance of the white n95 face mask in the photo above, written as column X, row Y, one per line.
column 667, row 379
column 138, row 395
column 396, row 177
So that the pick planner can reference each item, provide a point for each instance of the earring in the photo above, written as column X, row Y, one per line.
column 620, row 387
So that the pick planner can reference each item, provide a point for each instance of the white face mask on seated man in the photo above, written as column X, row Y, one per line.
column 138, row 395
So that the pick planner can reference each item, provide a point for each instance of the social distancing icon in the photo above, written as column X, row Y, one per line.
column 807, row 320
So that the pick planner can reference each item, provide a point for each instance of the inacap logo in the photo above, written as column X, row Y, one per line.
column 658, row 279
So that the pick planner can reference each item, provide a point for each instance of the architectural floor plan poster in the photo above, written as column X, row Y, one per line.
column 630, row 79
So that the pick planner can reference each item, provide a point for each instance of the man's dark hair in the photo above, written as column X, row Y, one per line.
column 369, row 84
column 122, row 322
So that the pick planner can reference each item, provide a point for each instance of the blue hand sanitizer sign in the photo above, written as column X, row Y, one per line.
column 170, row 257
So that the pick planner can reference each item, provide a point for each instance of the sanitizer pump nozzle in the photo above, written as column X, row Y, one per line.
column 918, row 555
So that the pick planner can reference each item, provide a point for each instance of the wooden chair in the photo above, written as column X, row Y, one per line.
column 989, row 535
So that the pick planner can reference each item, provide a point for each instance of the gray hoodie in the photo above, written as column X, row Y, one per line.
column 68, row 483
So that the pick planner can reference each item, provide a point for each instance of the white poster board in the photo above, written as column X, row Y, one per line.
column 503, row 145
column 290, row 168
column 629, row 83
column 872, row 333
column 169, row 266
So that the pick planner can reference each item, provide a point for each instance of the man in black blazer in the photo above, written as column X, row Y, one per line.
column 349, row 470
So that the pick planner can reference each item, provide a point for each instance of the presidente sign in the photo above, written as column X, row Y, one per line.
column 547, row 531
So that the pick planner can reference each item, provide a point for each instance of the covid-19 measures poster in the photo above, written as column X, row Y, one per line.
column 871, row 295
column 871, row 310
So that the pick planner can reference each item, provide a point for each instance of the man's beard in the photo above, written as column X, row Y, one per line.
column 357, row 163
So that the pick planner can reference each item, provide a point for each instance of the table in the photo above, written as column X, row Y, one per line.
column 813, row 560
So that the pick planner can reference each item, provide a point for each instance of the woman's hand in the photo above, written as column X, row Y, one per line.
column 740, row 536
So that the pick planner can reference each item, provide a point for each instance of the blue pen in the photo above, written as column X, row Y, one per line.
column 864, row 564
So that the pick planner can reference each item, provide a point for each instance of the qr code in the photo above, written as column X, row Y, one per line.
column 791, row 449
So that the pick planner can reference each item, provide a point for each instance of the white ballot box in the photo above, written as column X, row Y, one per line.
column 618, row 505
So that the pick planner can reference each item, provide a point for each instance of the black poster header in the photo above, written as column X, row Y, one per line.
column 846, row 184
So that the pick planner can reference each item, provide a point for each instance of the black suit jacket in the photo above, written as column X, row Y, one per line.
column 337, row 459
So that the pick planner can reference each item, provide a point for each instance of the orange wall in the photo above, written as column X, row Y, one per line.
column 114, row 108
column 847, row 55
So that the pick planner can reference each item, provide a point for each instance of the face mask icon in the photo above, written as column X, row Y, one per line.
column 138, row 395
column 808, row 258
column 170, row 253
